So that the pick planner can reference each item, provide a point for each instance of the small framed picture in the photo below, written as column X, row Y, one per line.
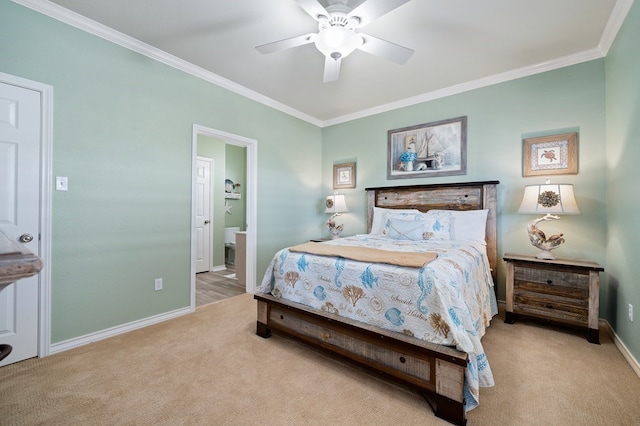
column 344, row 175
column 550, row 155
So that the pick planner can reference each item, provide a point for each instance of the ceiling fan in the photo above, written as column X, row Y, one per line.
column 337, row 37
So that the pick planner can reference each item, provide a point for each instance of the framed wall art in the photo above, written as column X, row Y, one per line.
column 344, row 175
column 550, row 155
column 432, row 149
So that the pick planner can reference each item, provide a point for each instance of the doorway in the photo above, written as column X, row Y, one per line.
column 251, row 202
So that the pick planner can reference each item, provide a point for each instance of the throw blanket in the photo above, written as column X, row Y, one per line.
column 365, row 254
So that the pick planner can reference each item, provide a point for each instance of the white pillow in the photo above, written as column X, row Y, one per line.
column 466, row 224
column 380, row 216
column 400, row 229
column 417, row 226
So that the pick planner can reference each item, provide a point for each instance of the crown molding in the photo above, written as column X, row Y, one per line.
column 616, row 19
column 618, row 15
column 577, row 58
column 92, row 27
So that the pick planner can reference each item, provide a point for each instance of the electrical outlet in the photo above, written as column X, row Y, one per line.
column 630, row 312
column 158, row 284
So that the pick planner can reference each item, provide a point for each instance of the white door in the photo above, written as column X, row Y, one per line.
column 19, row 213
column 203, row 214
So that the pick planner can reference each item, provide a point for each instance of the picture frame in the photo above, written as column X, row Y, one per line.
column 438, row 148
column 344, row 175
column 550, row 155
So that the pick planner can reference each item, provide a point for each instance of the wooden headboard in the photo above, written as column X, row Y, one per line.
column 445, row 196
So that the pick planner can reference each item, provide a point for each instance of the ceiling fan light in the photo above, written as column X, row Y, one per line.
column 337, row 42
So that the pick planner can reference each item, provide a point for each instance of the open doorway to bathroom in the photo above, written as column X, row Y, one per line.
column 230, row 225
column 220, row 220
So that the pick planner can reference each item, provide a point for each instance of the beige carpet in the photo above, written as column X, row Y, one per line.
column 209, row 368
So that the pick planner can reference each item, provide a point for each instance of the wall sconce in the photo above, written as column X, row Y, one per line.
column 335, row 204
column 550, row 199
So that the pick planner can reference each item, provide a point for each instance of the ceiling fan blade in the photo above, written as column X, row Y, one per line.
column 313, row 8
column 385, row 49
column 286, row 43
column 373, row 9
column 331, row 69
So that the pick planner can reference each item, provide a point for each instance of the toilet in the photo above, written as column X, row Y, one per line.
column 230, row 244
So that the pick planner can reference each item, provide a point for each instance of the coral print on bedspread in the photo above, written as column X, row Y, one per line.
column 448, row 301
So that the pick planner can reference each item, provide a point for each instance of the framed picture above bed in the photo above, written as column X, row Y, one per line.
column 432, row 149
column 550, row 155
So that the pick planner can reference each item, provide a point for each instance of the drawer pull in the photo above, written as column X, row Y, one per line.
column 549, row 306
column 403, row 359
column 549, row 281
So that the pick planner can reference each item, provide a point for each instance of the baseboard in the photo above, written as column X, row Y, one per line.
column 218, row 268
column 635, row 365
column 114, row 331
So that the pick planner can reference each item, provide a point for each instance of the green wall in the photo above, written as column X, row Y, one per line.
column 623, row 174
column 236, row 170
column 122, row 131
column 498, row 117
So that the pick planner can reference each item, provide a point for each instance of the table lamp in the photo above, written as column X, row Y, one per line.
column 552, row 200
column 335, row 204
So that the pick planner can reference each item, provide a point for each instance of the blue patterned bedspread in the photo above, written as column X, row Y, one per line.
column 449, row 301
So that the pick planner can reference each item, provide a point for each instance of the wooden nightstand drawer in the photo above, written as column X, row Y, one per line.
column 565, row 279
column 568, row 310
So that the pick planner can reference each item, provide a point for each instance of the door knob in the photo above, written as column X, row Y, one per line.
column 25, row 238
column 206, row 222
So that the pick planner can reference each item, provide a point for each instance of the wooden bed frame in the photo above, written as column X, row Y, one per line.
column 435, row 371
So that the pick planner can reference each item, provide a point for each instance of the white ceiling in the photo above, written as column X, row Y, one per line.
column 459, row 44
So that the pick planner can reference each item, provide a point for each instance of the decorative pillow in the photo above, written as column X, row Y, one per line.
column 380, row 216
column 465, row 225
column 418, row 227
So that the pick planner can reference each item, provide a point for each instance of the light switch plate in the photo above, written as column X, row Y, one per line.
column 62, row 183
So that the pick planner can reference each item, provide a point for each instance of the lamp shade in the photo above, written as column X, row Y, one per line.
column 549, row 199
column 336, row 204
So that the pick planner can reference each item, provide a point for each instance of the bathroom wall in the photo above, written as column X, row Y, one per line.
column 236, row 170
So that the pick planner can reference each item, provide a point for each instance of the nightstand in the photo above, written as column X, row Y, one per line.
column 561, row 290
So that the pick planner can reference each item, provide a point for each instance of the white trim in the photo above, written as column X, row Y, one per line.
column 251, row 196
column 577, row 58
column 46, row 142
column 616, row 19
column 92, row 27
column 65, row 345
column 618, row 15
column 635, row 365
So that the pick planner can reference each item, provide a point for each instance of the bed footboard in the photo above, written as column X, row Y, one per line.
column 437, row 372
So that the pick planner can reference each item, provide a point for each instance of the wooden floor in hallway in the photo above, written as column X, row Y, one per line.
column 214, row 286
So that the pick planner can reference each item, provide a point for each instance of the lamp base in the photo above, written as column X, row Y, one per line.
column 334, row 230
column 540, row 241
column 546, row 255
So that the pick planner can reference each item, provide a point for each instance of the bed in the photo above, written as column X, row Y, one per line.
column 409, row 300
